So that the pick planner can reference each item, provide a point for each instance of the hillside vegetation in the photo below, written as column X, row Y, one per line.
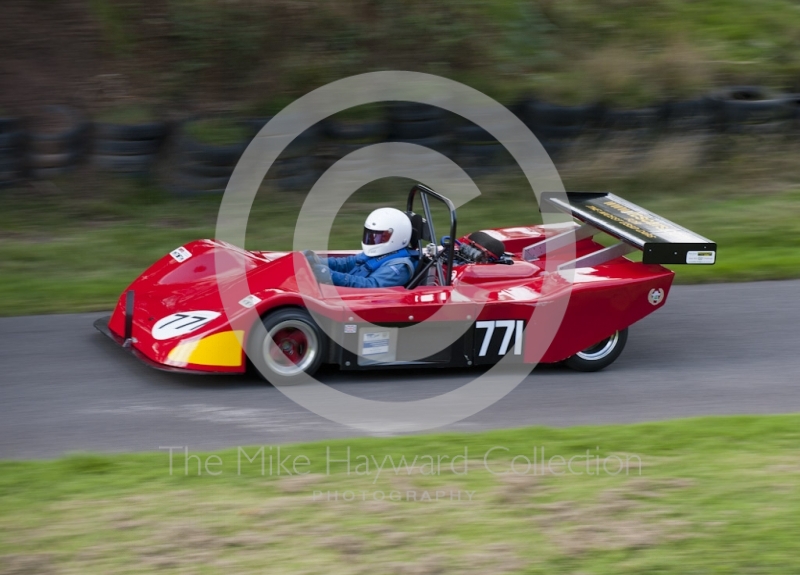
column 259, row 54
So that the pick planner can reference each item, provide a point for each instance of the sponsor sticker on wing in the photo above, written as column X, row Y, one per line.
column 180, row 254
column 705, row 257
column 375, row 343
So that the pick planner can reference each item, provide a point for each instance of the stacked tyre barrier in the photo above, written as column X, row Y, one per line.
column 420, row 124
column 196, row 167
column 753, row 110
column 478, row 153
column 557, row 127
column 681, row 116
column 128, row 148
column 200, row 168
column 343, row 137
column 299, row 165
column 56, row 152
column 638, row 123
column 12, row 146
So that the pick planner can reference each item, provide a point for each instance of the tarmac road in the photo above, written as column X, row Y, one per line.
column 713, row 349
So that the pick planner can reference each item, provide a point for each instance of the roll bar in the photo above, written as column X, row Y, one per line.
column 424, row 193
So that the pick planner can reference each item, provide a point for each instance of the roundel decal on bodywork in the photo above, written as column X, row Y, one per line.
column 656, row 296
column 183, row 323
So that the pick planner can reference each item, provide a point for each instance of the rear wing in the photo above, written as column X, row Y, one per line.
column 660, row 240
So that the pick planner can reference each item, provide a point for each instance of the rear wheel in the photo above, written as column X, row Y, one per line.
column 291, row 347
column 600, row 355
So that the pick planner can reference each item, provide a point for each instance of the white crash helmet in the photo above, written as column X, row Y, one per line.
column 386, row 230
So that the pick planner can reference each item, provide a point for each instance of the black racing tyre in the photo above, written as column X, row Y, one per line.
column 556, row 148
column 290, row 346
column 342, row 149
column 418, row 129
column 293, row 174
column 793, row 101
column 439, row 143
column 80, row 141
column 355, row 131
column 125, row 164
column 146, row 131
column 297, row 183
column 741, row 107
column 255, row 124
column 191, row 184
column 211, row 154
column 13, row 139
column 478, row 154
column 687, row 114
column 474, row 135
column 9, row 181
column 285, row 167
column 10, row 163
column 62, row 141
column 9, row 124
column 482, row 170
column 48, row 173
column 53, row 160
column 631, row 119
column 126, row 147
column 412, row 112
column 206, row 170
column 600, row 355
column 306, row 144
column 543, row 114
column 558, row 132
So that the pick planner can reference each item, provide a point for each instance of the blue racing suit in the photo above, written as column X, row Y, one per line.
column 363, row 271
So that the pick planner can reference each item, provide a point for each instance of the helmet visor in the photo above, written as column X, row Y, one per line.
column 375, row 237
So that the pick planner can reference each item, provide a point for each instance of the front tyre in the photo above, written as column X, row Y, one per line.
column 600, row 355
column 291, row 347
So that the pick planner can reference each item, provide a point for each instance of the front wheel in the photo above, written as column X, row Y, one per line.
column 290, row 346
column 600, row 355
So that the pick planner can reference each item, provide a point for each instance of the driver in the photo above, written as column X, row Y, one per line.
column 385, row 262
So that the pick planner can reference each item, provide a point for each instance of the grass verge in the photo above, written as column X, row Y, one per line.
column 711, row 495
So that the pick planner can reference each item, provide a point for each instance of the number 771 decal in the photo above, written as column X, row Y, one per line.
column 511, row 328
column 184, row 323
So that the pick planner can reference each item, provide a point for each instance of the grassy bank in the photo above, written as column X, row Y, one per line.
column 97, row 233
column 622, row 51
column 711, row 495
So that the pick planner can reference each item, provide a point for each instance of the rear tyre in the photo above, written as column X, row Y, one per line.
column 600, row 355
column 293, row 346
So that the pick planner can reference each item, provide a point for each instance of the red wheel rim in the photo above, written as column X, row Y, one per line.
column 290, row 346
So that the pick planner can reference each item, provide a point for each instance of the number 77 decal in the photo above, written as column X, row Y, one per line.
column 511, row 327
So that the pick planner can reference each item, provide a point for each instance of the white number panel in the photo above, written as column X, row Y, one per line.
column 497, row 338
column 184, row 323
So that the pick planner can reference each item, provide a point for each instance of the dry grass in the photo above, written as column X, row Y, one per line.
column 703, row 490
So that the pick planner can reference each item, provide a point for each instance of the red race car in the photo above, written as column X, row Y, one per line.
column 485, row 295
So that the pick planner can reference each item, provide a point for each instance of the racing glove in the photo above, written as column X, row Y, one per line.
column 322, row 273
column 313, row 259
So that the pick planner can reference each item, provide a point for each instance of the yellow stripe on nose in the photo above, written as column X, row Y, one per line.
column 223, row 349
